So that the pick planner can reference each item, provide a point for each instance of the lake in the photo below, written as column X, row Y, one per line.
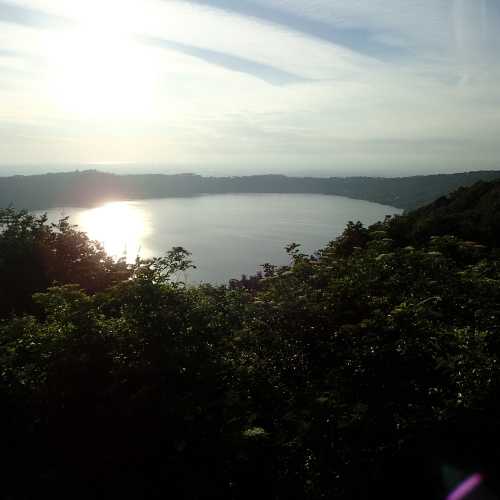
column 228, row 235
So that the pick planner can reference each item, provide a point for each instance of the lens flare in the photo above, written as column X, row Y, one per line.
column 466, row 487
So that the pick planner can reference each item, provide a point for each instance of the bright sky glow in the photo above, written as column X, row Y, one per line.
column 324, row 86
column 99, row 75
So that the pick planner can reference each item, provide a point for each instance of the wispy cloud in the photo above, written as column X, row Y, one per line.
column 266, row 72
column 360, row 38
column 24, row 16
column 18, row 14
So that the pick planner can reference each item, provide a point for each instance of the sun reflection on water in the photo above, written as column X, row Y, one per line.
column 121, row 227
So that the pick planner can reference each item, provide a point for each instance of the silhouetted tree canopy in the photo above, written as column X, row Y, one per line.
column 35, row 255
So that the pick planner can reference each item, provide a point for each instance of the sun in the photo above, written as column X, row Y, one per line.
column 100, row 73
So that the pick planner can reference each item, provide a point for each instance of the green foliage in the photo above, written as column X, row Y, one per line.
column 471, row 214
column 347, row 374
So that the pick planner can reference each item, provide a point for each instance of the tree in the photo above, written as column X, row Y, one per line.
column 35, row 255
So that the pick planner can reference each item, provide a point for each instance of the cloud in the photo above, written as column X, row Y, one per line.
column 208, row 29
column 265, row 72
column 17, row 14
column 24, row 16
column 357, row 38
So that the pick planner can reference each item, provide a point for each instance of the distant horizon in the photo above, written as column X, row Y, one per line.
column 152, row 169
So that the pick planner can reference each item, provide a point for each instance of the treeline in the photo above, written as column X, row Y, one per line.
column 368, row 370
column 92, row 187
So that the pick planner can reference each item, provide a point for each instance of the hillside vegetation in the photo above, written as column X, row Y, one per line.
column 80, row 189
column 368, row 370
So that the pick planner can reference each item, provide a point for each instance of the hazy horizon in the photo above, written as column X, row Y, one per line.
column 218, row 87
column 140, row 169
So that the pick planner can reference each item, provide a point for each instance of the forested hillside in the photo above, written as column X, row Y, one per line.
column 80, row 189
column 368, row 370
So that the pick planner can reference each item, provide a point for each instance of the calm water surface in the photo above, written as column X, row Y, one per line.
column 228, row 235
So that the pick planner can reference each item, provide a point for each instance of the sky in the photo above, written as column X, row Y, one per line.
column 318, row 87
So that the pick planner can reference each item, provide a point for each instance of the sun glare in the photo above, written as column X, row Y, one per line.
column 100, row 74
column 121, row 227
